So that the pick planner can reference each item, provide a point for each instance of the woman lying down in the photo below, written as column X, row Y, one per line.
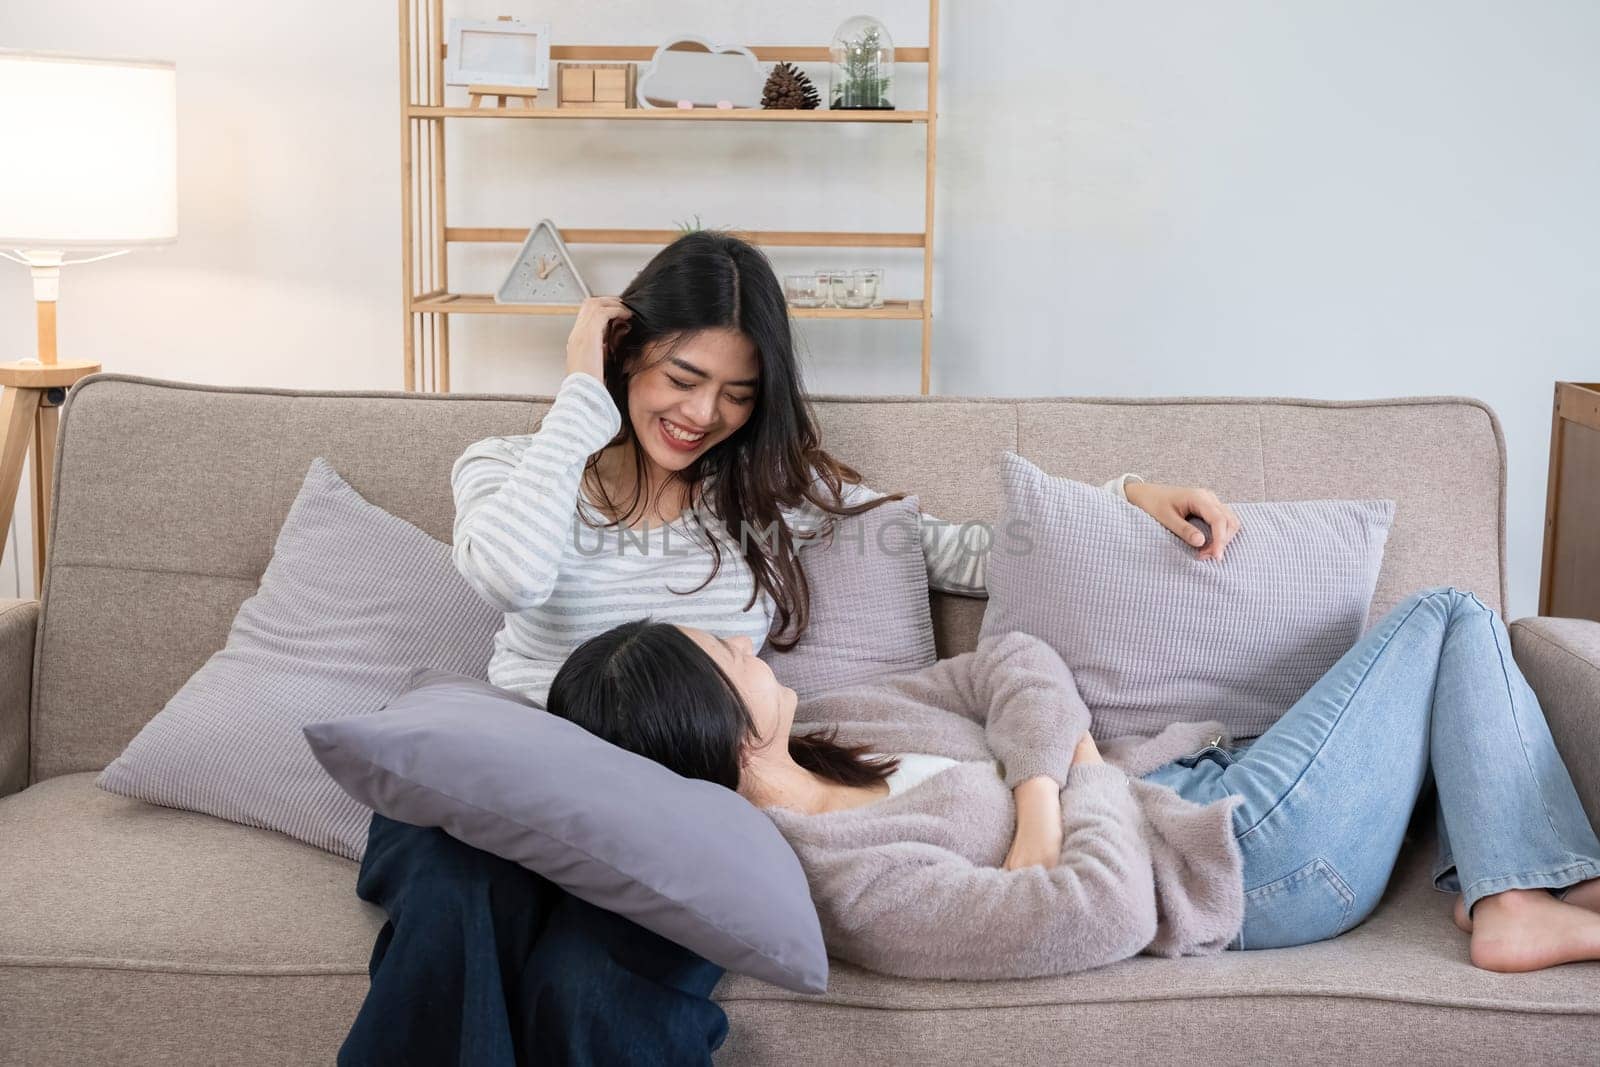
column 960, row 822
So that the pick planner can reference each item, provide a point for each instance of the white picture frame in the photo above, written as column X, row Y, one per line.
column 498, row 52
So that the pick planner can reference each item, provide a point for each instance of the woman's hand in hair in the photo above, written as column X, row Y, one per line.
column 593, row 332
column 1038, row 839
column 1171, row 506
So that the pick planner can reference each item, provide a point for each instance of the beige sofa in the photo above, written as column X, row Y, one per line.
column 134, row 934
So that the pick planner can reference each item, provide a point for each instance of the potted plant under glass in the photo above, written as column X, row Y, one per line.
column 861, row 76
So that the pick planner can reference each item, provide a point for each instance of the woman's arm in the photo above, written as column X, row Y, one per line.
column 919, row 911
column 1037, row 841
column 516, row 496
column 1013, row 685
column 1016, row 687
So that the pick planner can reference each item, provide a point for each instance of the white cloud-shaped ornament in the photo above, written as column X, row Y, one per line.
column 704, row 74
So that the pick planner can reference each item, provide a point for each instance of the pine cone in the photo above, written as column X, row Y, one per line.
column 788, row 87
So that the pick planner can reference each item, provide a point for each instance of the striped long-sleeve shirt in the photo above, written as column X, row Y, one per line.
column 521, row 540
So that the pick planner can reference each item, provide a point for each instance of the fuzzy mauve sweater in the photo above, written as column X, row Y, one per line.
column 912, row 884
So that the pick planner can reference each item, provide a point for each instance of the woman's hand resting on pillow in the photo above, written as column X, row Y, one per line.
column 1039, row 833
column 1171, row 506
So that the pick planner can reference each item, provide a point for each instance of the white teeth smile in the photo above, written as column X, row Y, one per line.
column 680, row 435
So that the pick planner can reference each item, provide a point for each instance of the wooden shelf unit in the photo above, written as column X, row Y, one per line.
column 699, row 114
column 426, row 235
column 484, row 304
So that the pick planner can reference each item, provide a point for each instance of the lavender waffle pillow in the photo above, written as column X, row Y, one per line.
column 691, row 860
column 869, row 604
column 351, row 603
column 1154, row 635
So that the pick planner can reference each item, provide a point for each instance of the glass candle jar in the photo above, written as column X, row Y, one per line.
column 834, row 283
column 867, row 284
column 802, row 290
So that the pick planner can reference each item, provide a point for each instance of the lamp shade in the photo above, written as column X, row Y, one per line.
column 91, row 151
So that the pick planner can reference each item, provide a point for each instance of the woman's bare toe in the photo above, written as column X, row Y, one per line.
column 1528, row 930
column 1459, row 914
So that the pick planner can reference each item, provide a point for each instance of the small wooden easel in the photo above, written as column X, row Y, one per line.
column 30, row 408
column 476, row 93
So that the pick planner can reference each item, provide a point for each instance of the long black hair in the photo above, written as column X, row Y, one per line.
column 647, row 687
column 710, row 280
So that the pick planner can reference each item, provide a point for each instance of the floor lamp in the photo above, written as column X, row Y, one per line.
column 92, row 167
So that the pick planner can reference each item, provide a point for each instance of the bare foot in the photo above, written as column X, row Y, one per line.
column 1459, row 914
column 1528, row 930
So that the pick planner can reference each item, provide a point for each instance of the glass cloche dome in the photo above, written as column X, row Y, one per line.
column 861, row 75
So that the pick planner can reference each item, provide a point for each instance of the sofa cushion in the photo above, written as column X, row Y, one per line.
column 106, row 881
column 130, row 927
column 688, row 859
column 869, row 604
column 1154, row 635
column 1400, row 980
column 137, row 934
column 353, row 600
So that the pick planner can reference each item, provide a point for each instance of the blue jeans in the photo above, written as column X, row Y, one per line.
column 1327, row 793
column 483, row 962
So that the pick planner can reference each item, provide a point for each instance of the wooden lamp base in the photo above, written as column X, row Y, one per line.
column 29, row 417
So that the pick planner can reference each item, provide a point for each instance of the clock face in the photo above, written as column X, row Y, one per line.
column 542, row 273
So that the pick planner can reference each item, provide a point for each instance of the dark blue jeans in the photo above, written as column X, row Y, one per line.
column 483, row 963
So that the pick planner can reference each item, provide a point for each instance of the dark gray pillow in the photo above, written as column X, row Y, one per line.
column 1154, row 635
column 352, row 602
column 690, row 860
column 869, row 604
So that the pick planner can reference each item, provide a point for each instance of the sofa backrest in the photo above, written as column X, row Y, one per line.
column 169, row 497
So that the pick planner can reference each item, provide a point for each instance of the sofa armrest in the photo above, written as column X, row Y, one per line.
column 19, row 619
column 1561, row 660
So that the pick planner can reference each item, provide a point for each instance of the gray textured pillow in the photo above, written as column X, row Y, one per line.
column 869, row 604
column 1154, row 635
column 352, row 602
column 690, row 860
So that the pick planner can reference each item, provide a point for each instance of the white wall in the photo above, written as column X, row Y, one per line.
column 1334, row 199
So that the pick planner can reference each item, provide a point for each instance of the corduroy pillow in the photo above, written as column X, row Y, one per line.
column 1154, row 635
column 691, row 860
column 869, row 604
column 352, row 602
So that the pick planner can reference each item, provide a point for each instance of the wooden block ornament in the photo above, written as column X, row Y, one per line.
column 596, row 86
